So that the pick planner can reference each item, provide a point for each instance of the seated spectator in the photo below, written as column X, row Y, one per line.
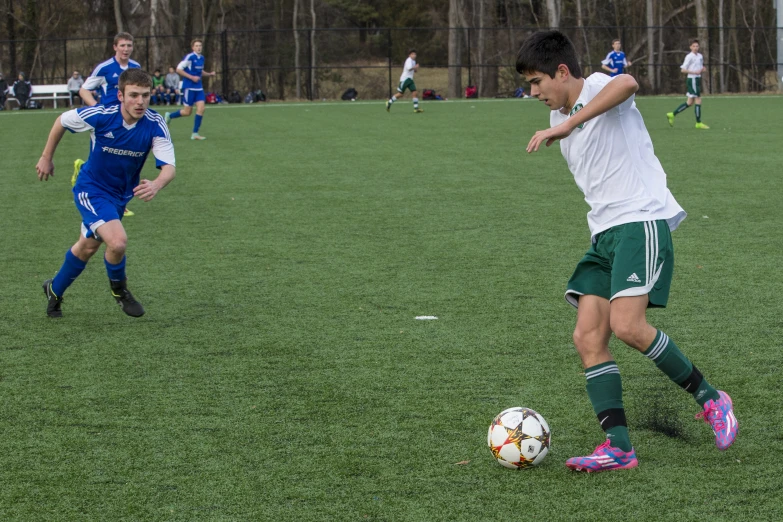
column 3, row 92
column 22, row 90
column 172, row 87
column 74, row 84
column 158, row 89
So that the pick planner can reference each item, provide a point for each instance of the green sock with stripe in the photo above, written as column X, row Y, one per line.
column 681, row 108
column 671, row 361
column 605, row 390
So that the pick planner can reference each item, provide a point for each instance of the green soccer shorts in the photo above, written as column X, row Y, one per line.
column 627, row 260
column 407, row 84
column 694, row 87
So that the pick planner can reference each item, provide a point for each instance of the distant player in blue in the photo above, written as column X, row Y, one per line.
column 122, row 136
column 191, row 68
column 615, row 62
column 106, row 75
column 104, row 79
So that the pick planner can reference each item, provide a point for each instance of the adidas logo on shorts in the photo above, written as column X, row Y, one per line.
column 633, row 278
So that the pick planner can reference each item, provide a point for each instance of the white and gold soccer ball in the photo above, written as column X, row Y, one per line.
column 519, row 438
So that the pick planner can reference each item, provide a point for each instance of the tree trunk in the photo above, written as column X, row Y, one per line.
column 155, row 55
column 659, row 69
column 651, row 44
column 553, row 8
column 118, row 16
column 30, row 35
column 280, row 73
column 10, row 25
column 313, row 93
column 297, row 52
column 455, row 51
column 721, row 48
column 701, row 22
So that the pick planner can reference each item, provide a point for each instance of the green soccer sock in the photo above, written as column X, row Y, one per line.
column 681, row 108
column 605, row 390
column 698, row 113
column 671, row 361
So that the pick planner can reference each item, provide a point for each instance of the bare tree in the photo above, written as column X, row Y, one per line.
column 553, row 9
column 455, row 50
column 650, row 43
column 313, row 93
column 118, row 16
column 297, row 50
column 721, row 48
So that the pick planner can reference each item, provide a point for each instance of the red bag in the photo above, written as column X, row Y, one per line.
column 471, row 91
column 211, row 97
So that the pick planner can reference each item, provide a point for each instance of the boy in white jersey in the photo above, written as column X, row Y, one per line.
column 693, row 66
column 628, row 267
column 406, row 82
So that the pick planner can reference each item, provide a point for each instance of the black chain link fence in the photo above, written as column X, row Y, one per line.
column 370, row 60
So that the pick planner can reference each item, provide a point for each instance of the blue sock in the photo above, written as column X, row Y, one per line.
column 174, row 115
column 116, row 272
column 197, row 123
column 72, row 267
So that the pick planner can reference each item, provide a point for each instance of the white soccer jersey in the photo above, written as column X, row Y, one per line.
column 613, row 163
column 407, row 69
column 693, row 62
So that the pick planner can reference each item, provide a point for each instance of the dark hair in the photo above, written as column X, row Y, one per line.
column 193, row 41
column 695, row 41
column 615, row 40
column 545, row 51
column 411, row 51
column 134, row 76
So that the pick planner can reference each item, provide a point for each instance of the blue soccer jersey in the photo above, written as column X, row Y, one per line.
column 106, row 77
column 118, row 150
column 617, row 61
column 192, row 64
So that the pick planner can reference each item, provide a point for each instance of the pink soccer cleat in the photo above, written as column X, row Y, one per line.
column 604, row 458
column 720, row 416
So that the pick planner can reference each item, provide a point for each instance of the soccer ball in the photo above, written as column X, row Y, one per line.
column 519, row 438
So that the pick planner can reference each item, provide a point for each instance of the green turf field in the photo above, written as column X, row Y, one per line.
column 279, row 373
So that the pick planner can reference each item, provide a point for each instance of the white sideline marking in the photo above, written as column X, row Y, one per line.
column 426, row 317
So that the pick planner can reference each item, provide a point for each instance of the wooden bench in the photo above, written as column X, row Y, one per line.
column 46, row 92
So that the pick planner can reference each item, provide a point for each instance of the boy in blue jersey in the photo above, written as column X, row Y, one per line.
column 122, row 136
column 106, row 75
column 615, row 62
column 104, row 78
column 191, row 68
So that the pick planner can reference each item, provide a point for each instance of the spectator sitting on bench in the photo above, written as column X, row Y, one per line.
column 3, row 92
column 22, row 90
column 74, row 84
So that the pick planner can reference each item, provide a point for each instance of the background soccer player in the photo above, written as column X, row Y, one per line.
column 406, row 82
column 629, row 265
column 105, row 78
column 615, row 62
column 122, row 137
column 693, row 66
column 191, row 68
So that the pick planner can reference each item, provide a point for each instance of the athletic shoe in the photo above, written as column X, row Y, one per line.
column 77, row 167
column 604, row 458
column 670, row 117
column 720, row 416
column 125, row 299
column 128, row 213
column 700, row 125
column 54, row 302
column 388, row 106
column 197, row 136
column 418, row 110
column 167, row 117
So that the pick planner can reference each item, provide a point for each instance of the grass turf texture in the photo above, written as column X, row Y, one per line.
column 279, row 372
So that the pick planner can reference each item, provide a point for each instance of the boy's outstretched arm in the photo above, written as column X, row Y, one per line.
column 619, row 89
column 45, row 165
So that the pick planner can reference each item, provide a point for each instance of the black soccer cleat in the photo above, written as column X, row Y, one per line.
column 125, row 299
column 54, row 303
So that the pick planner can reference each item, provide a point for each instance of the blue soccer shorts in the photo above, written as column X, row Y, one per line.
column 96, row 209
column 190, row 97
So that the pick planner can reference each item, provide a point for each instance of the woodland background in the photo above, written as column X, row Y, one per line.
column 316, row 48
